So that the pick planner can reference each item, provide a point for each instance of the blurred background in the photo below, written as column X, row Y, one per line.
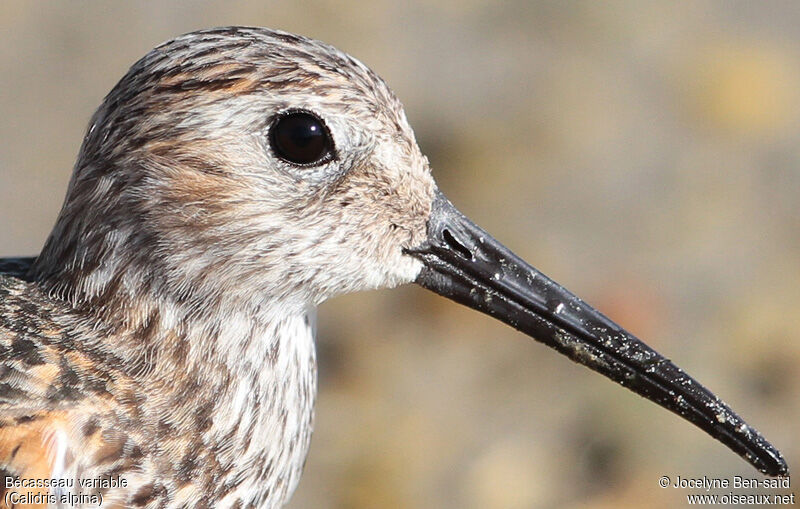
column 645, row 155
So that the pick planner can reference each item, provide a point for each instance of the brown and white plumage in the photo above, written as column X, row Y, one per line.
column 165, row 332
column 164, row 335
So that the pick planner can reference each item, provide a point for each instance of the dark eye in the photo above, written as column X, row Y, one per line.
column 301, row 138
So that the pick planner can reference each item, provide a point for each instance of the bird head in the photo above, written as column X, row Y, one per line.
column 247, row 168
column 242, row 164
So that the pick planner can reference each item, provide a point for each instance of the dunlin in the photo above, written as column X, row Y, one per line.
column 161, row 346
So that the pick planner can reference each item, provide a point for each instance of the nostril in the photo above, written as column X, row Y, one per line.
column 456, row 245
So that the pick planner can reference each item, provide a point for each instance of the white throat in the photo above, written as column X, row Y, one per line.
column 267, row 411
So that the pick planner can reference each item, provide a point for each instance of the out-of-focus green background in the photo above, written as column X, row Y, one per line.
column 646, row 155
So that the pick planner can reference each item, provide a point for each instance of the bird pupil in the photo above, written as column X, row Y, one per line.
column 300, row 138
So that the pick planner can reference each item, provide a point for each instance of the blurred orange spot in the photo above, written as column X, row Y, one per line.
column 748, row 89
column 635, row 305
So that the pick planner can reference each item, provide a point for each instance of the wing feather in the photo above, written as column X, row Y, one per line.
column 38, row 381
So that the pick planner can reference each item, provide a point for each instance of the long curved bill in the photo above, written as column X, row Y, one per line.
column 464, row 263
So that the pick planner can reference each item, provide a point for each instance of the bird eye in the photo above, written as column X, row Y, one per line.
column 301, row 138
